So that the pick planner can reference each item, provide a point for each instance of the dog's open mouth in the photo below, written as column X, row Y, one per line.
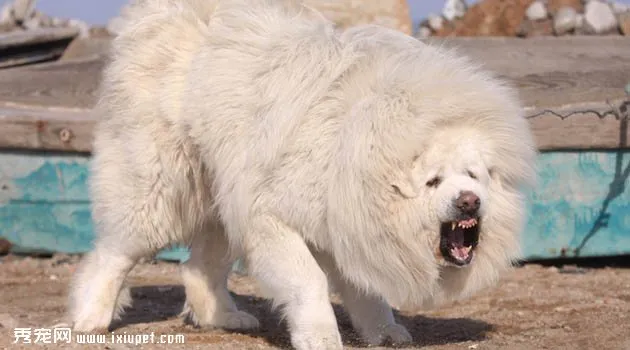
column 458, row 240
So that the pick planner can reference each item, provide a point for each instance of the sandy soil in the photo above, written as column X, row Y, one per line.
column 535, row 307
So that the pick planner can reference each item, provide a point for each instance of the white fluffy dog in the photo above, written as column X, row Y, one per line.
column 390, row 169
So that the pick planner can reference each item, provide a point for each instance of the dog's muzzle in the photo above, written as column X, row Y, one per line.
column 459, row 237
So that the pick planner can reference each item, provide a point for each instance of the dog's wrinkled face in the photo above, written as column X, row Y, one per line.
column 455, row 181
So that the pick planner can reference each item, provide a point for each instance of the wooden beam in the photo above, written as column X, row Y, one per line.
column 64, row 84
column 36, row 36
column 32, row 46
column 554, row 72
column 585, row 127
column 87, row 49
column 588, row 126
column 46, row 129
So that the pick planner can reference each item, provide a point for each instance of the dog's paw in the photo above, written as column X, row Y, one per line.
column 395, row 333
column 315, row 338
column 96, row 321
column 89, row 315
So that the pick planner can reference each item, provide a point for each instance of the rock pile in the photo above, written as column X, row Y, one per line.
column 21, row 15
column 528, row 18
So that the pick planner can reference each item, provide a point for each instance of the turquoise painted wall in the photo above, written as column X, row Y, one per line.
column 581, row 205
column 44, row 204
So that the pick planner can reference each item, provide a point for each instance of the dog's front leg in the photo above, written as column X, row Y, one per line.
column 280, row 260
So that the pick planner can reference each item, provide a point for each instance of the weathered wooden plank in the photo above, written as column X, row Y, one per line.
column 87, row 49
column 565, row 89
column 581, row 206
column 66, row 84
column 587, row 126
column 519, row 57
column 30, row 57
column 39, row 45
column 50, row 129
column 36, row 36
column 583, row 126
column 548, row 72
column 552, row 72
column 558, row 75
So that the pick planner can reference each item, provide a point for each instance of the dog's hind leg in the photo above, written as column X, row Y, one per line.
column 97, row 295
column 134, row 206
column 208, row 301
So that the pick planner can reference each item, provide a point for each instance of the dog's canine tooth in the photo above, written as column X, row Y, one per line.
column 453, row 225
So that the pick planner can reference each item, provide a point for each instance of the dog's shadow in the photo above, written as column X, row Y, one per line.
column 160, row 303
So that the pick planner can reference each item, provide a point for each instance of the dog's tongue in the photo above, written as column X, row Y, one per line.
column 460, row 252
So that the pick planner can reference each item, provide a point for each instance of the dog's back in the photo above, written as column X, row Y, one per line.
column 195, row 89
column 156, row 41
column 199, row 99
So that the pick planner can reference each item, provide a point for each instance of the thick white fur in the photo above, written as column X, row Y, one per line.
column 253, row 129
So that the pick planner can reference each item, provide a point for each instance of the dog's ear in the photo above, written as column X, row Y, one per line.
column 405, row 181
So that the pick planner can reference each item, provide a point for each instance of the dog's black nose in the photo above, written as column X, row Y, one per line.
column 468, row 202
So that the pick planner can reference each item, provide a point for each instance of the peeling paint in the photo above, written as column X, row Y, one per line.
column 8, row 191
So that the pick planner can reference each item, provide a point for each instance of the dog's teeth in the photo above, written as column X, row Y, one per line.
column 453, row 225
column 467, row 249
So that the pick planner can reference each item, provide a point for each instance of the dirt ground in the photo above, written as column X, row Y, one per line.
column 535, row 307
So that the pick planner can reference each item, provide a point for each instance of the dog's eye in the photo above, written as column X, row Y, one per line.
column 472, row 175
column 434, row 182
